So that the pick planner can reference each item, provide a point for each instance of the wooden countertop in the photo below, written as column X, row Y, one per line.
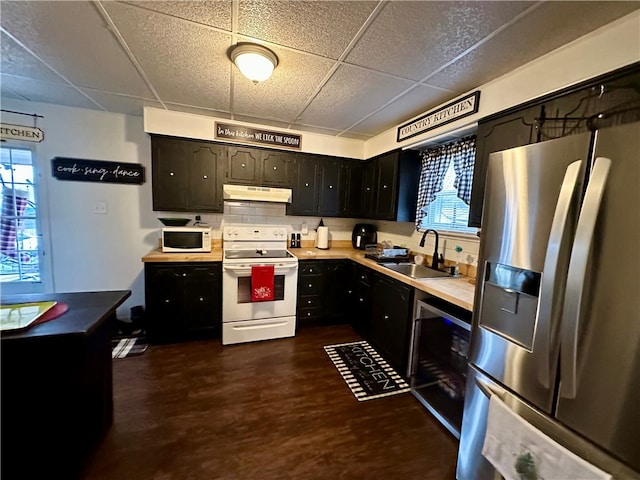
column 457, row 291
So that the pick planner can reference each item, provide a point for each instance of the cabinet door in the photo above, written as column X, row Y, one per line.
column 204, row 181
column 275, row 169
column 244, row 166
column 305, row 187
column 511, row 131
column 202, row 298
column 352, row 189
column 330, row 172
column 391, row 315
column 386, row 185
column 340, row 289
column 169, row 174
column 164, row 298
column 361, row 319
column 367, row 203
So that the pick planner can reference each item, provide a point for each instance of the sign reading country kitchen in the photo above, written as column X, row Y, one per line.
column 20, row 132
column 243, row 134
column 453, row 111
column 97, row 171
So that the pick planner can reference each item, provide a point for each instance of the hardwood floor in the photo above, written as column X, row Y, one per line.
column 267, row 410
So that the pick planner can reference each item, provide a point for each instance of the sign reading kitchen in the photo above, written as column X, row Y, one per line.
column 453, row 111
column 244, row 134
column 96, row 171
column 20, row 132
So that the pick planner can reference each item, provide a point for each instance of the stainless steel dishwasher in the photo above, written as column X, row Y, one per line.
column 438, row 360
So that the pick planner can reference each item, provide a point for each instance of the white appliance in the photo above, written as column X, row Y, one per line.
column 256, row 194
column 244, row 320
column 186, row 239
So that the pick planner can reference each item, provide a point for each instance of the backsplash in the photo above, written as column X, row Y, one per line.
column 398, row 233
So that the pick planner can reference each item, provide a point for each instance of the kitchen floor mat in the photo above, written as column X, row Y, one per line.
column 367, row 374
column 128, row 347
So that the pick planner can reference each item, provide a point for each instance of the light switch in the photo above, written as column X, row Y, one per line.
column 304, row 230
column 100, row 208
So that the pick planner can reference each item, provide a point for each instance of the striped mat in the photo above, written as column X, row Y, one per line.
column 367, row 374
column 128, row 347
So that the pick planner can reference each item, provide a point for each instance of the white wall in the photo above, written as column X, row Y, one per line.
column 91, row 251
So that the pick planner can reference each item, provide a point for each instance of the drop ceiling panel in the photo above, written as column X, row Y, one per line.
column 185, row 62
column 72, row 38
column 45, row 92
column 413, row 39
column 16, row 60
column 529, row 39
column 121, row 103
column 206, row 112
column 323, row 28
column 216, row 13
column 411, row 104
column 283, row 96
column 350, row 94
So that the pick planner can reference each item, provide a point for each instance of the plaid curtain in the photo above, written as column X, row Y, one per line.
column 435, row 162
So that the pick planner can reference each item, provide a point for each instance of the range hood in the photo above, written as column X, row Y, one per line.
column 256, row 194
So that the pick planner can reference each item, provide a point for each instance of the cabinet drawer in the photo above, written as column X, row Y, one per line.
column 307, row 269
column 309, row 313
column 311, row 285
column 314, row 301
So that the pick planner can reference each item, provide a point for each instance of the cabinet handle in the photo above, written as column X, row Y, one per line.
column 386, row 317
column 243, row 165
column 171, row 174
column 306, row 184
column 205, row 177
column 310, row 285
column 361, row 300
column 330, row 186
column 308, row 302
column 275, row 168
column 201, row 299
column 368, row 188
column 184, row 274
column 167, row 301
column 308, row 314
column 384, row 186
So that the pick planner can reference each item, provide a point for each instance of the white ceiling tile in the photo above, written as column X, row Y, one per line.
column 321, row 27
column 205, row 112
column 413, row 39
column 73, row 38
column 282, row 96
column 411, row 104
column 269, row 123
column 45, row 92
column 185, row 62
column 350, row 94
column 529, row 39
column 216, row 13
column 122, row 103
column 17, row 61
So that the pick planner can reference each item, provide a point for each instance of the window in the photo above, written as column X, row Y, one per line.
column 445, row 187
column 19, row 235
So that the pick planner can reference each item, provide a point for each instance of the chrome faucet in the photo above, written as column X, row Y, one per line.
column 434, row 262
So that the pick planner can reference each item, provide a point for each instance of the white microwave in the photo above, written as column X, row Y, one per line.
column 186, row 239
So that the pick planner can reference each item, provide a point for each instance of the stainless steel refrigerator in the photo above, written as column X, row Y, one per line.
column 556, row 322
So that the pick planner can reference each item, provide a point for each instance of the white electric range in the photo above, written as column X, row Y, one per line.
column 244, row 320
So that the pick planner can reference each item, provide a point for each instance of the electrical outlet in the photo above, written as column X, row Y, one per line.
column 100, row 208
column 305, row 229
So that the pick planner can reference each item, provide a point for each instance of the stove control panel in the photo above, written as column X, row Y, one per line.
column 254, row 232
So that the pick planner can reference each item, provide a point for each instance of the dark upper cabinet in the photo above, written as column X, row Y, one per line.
column 351, row 188
column 254, row 166
column 304, row 186
column 186, row 175
column 330, row 186
column 243, row 166
column 390, row 186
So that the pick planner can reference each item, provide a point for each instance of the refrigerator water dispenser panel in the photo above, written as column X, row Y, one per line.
column 510, row 303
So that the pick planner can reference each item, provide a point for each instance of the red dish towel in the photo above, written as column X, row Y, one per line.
column 262, row 283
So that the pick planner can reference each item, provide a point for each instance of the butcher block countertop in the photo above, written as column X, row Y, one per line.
column 458, row 291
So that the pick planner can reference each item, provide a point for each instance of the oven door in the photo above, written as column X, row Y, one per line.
column 236, row 293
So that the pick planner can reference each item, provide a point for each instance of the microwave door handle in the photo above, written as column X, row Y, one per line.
column 548, row 312
column 577, row 275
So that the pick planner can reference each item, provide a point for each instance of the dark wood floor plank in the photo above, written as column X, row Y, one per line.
column 267, row 410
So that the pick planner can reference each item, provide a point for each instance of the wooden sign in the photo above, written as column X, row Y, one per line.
column 20, row 132
column 244, row 134
column 96, row 171
column 453, row 111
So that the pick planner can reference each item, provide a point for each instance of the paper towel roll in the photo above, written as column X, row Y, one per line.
column 322, row 238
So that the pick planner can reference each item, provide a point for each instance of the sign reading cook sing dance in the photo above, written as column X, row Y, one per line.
column 20, row 132
column 243, row 134
column 453, row 111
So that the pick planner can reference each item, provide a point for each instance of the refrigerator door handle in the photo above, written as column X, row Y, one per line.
column 547, row 314
column 577, row 275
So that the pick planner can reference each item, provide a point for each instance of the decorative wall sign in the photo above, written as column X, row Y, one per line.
column 453, row 111
column 244, row 134
column 96, row 171
column 20, row 132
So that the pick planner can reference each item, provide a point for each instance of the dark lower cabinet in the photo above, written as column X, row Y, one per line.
column 183, row 300
column 361, row 306
column 391, row 306
column 325, row 288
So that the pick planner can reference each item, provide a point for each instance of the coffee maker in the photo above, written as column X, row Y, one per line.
column 363, row 234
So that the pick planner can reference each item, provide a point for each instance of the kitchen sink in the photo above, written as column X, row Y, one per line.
column 417, row 272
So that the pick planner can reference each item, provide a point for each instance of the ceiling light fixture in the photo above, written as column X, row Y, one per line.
column 254, row 61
